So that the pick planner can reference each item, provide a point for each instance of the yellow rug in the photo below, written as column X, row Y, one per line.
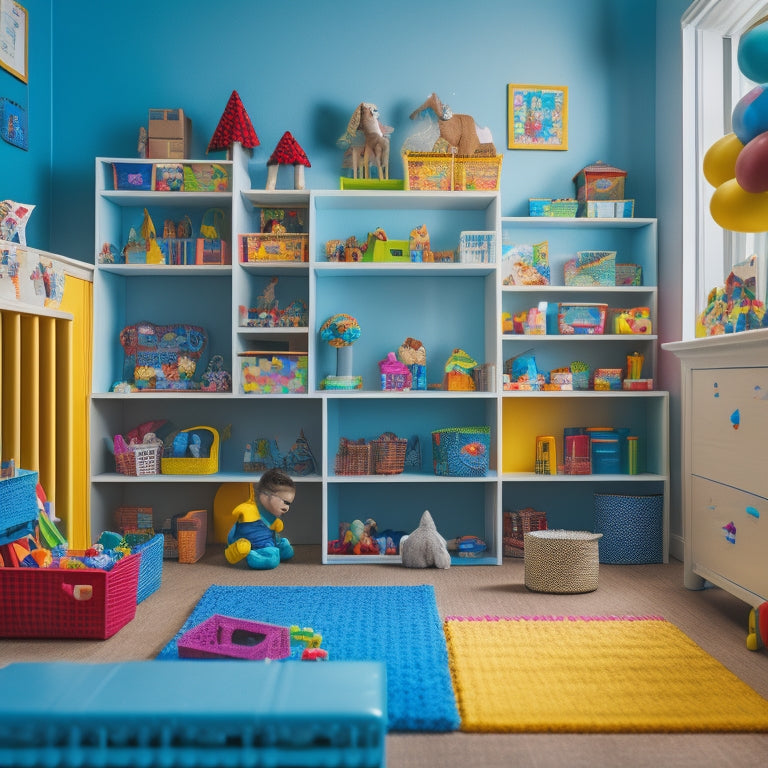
column 592, row 675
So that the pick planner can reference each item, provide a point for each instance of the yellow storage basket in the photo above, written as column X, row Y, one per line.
column 190, row 466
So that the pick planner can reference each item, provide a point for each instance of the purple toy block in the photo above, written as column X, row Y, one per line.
column 228, row 637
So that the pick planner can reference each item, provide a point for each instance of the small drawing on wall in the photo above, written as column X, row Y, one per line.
column 13, row 123
column 537, row 116
column 13, row 38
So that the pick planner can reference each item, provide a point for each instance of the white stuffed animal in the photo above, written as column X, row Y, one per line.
column 425, row 547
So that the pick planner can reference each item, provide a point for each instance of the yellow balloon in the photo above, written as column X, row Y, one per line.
column 735, row 209
column 720, row 159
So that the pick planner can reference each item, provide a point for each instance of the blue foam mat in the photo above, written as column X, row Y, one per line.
column 399, row 626
column 219, row 713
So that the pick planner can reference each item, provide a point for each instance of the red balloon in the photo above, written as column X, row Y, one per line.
column 752, row 165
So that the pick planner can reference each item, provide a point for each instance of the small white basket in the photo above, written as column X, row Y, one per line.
column 477, row 247
column 147, row 459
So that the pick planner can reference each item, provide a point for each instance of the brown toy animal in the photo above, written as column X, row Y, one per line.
column 458, row 132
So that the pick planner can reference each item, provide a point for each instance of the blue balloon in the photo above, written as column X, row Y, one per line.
column 750, row 115
column 752, row 54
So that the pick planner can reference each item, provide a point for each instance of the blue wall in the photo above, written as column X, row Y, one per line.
column 25, row 176
column 302, row 67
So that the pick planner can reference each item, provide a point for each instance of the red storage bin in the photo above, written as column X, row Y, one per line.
column 84, row 603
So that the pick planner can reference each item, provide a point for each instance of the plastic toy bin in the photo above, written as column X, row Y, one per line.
column 632, row 528
column 273, row 372
column 85, row 603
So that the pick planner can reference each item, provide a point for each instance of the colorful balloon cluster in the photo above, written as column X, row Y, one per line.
column 737, row 164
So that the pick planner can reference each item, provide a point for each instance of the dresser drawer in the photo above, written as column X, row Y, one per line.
column 729, row 427
column 729, row 534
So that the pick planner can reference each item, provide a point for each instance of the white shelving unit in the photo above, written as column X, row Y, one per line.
column 568, row 499
column 445, row 305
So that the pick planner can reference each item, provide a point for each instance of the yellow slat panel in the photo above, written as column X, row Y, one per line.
column 74, row 500
column 65, row 426
column 30, row 397
column 11, row 409
column 48, row 470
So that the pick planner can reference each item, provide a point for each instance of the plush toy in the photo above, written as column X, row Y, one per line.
column 425, row 547
column 458, row 133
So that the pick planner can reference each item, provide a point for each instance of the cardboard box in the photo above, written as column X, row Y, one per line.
column 168, row 124
column 168, row 149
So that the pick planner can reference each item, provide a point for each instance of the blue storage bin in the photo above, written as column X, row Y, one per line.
column 632, row 528
column 461, row 451
column 150, row 566
column 18, row 505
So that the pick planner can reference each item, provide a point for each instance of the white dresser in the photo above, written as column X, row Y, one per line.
column 725, row 462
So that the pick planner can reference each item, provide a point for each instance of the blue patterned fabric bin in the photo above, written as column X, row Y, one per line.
column 461, row 451
column 150, row 566
column 18, row 505
column 632, row 528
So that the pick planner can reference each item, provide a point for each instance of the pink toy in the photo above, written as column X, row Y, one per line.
column 228, row 637
column 394, row 374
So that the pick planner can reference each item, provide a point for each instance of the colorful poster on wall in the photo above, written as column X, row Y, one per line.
column 538, row 116
column 13, row 38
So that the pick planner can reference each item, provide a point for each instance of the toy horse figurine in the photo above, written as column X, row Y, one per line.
column 374, row 148
column 460, row 133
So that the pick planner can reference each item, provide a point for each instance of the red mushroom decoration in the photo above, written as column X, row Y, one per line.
column 287, row 152
column 234, row 125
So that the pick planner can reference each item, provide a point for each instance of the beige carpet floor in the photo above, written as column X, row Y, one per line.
column 712, row 618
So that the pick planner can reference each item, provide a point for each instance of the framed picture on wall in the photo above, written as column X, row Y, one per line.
column 13, row 38
column 537, row 116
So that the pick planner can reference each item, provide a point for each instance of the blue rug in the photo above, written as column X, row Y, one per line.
column 397, row 625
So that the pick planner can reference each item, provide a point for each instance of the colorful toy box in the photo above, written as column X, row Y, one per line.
column 266, row 373
column 599, row 181
column 581, row 318
column 133, row 177
column 206, row 177
column 591, row 268
column 461, row 451
column 546, row 206
column 477, row 174
column 438, row 172
column 270, row 246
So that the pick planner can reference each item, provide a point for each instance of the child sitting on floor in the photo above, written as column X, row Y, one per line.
column 255, row 535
